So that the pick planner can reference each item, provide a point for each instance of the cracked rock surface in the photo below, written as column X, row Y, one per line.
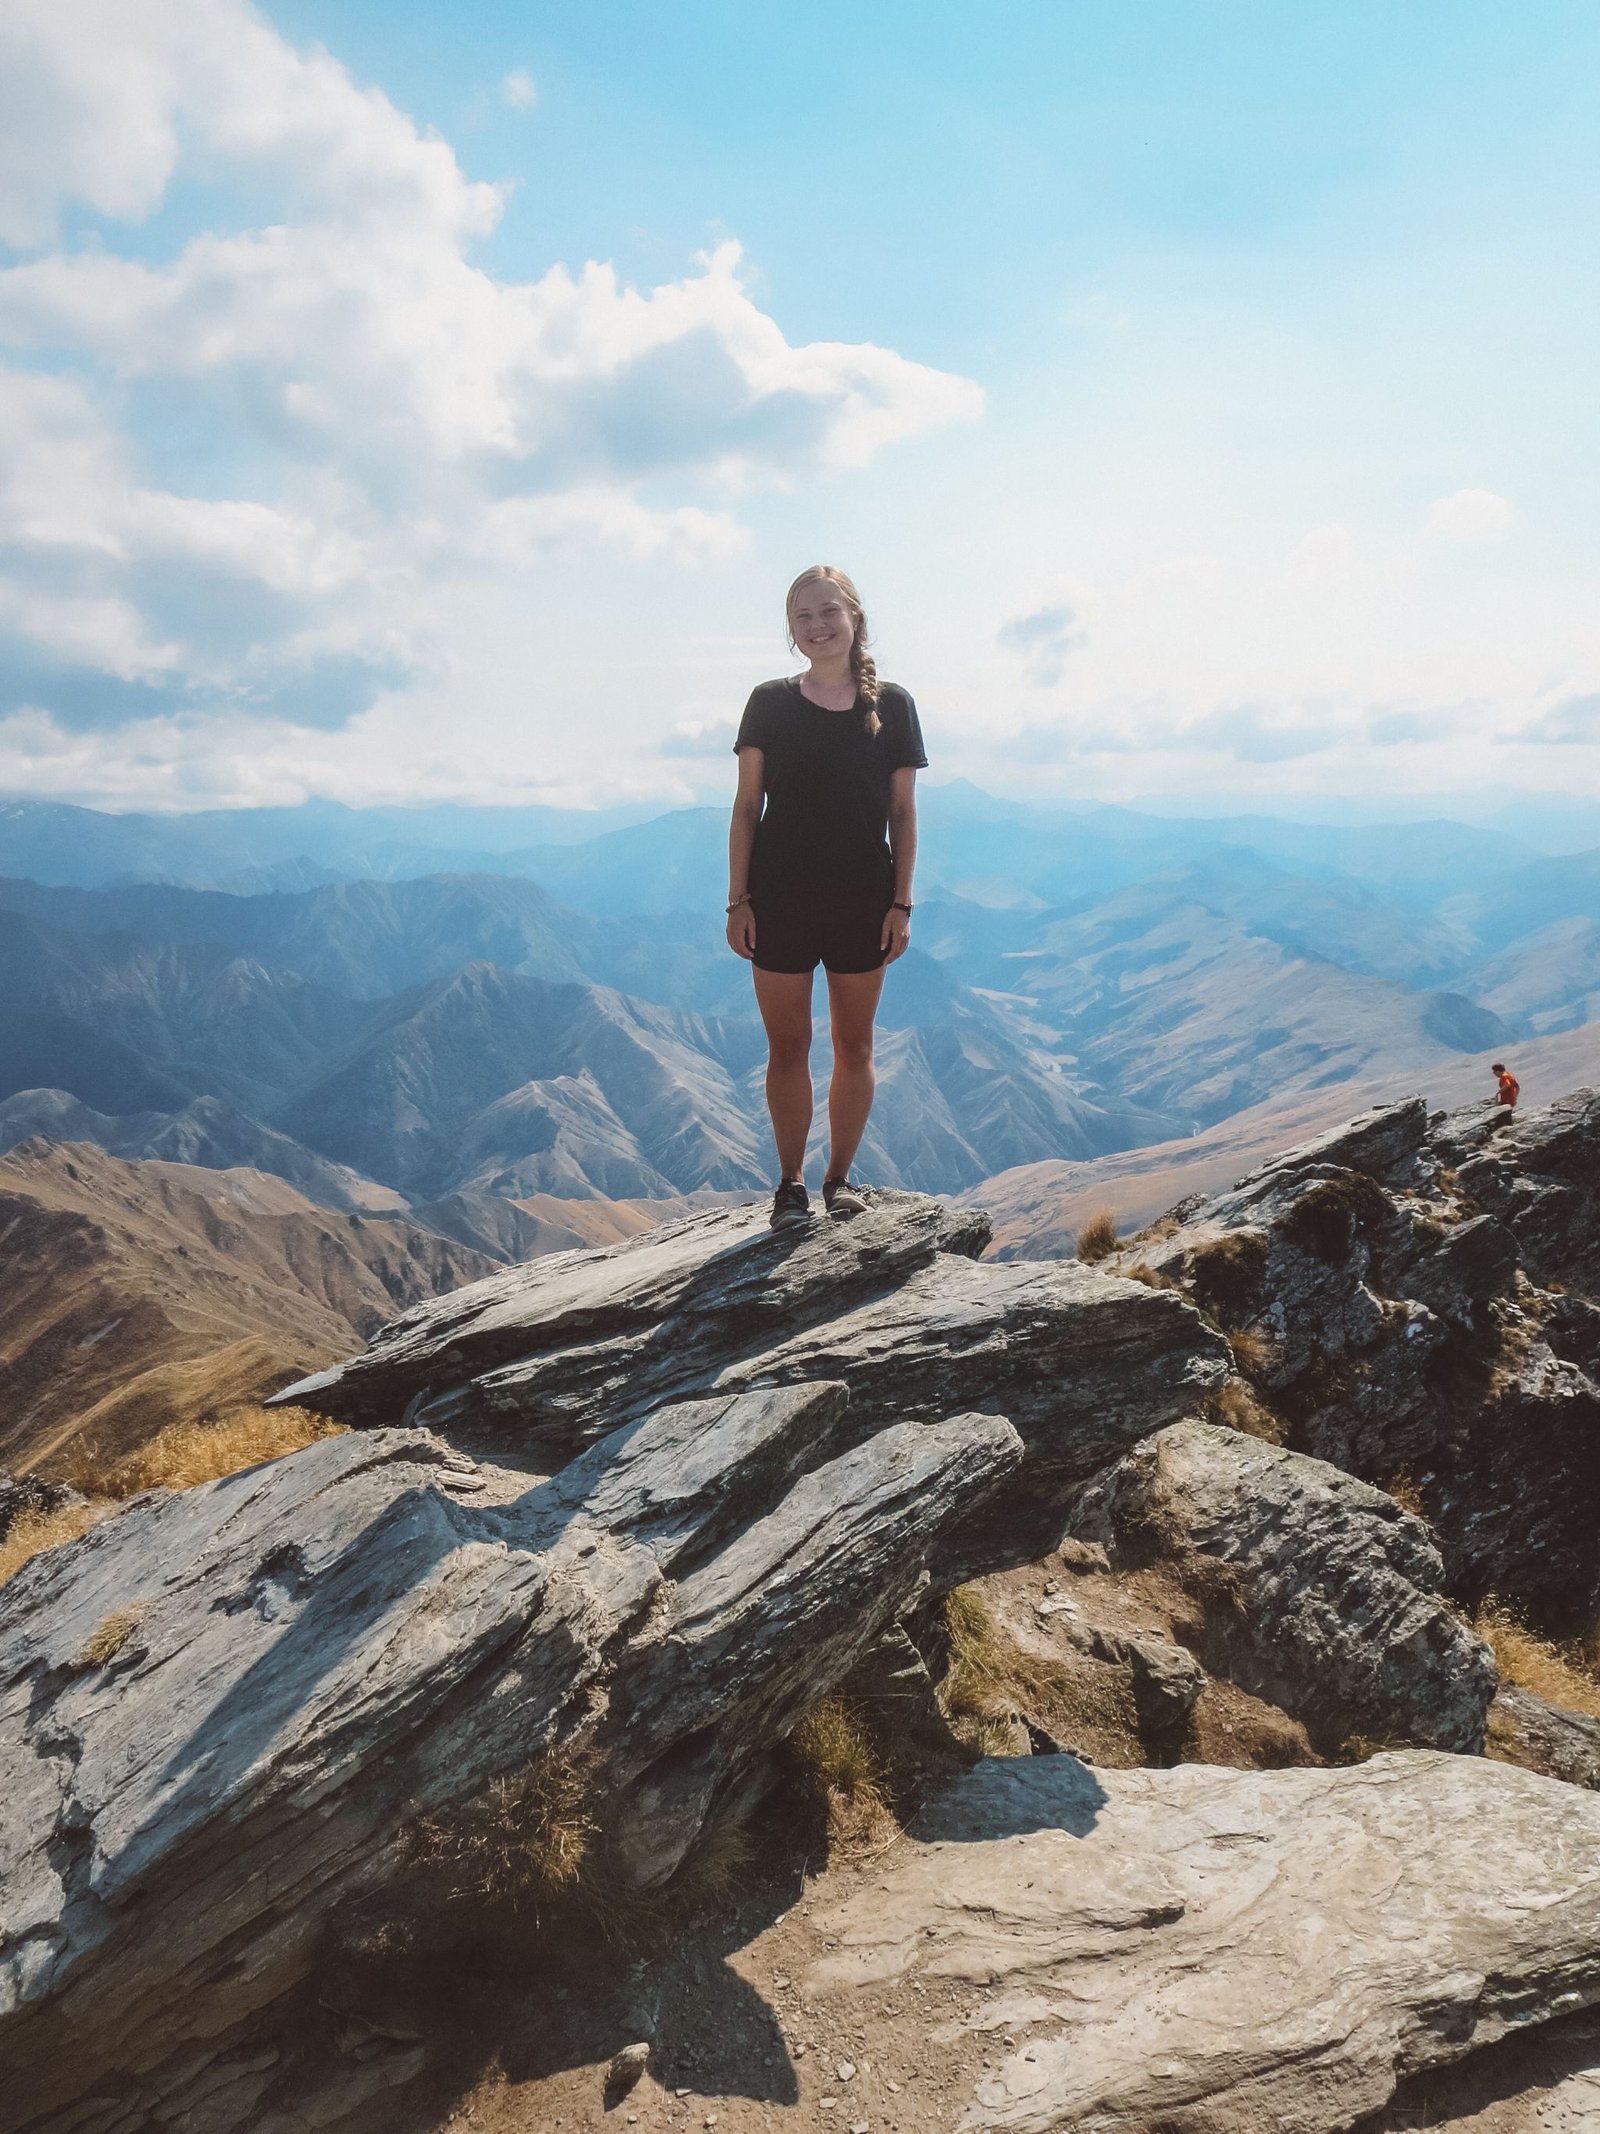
column 543, row 1357
column 312, row 1654
column 1387, row 1287
column 1203, row 1950
column 1326, row 1596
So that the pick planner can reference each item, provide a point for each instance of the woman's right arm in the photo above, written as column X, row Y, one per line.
column 741, row 837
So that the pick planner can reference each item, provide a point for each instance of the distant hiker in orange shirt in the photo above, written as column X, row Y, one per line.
column 1510, row 1088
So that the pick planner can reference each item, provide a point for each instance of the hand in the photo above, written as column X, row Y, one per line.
column 896, row 933
column 742, row 931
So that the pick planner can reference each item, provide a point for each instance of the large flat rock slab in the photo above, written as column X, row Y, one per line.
column 547, row 1357
column 1211, row 1951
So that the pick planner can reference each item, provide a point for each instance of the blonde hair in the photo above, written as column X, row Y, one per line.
column 862, row 664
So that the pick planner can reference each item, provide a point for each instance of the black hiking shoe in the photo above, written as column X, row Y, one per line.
column 791, row 1206
column 842, row 1199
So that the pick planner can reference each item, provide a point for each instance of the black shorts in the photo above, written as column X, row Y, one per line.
column 795, row 932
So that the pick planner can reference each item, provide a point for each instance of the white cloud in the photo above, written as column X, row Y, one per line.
column 1470, row 515
column 519, row 90
column 1044, row 640
column 405, row 415
column 1573, row 722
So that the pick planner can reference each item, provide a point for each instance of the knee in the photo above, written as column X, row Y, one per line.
column 789, row 1048
column 853, row 1053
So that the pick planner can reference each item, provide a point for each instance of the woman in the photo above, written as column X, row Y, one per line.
column 822, row 872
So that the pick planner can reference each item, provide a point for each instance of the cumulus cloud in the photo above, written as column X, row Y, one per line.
column 1044, row 641
column 713, row 738
column 1258, row 733
column 519, row 90
column 384, row 410
column 1573, row 722
column 1470, row 515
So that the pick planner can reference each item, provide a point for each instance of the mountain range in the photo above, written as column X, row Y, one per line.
column 483, row 1020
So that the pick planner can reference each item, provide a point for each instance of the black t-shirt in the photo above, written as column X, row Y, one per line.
column 826, row 817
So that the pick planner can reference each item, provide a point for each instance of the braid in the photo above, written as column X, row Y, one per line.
column 865, row 669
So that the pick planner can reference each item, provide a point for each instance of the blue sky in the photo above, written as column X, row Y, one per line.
column 1203, row 395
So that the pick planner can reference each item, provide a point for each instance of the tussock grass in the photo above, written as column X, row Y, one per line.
column 993, row 1688
column 1151, row 1277
column 1564, row 1674
column 833, row 1756
column 1098, row 1237
column 103, row 1644
column 1226, row 1275
column 522, row 1843
column 1252, row 1352
column 186, row 1453
column 34, row 1532
column 1236, row 1407
column 1407, row 1493
column 182, row 1456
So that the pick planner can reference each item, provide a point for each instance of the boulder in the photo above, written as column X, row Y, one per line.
column 1319, row 1592
column 1203, row 1950
column 543, row 1358
column 1527, row 1729
column 223, row 1712
column 1379, row 1291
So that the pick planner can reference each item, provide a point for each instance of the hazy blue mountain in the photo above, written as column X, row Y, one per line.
column 50, row 841
column 191, row 1019
column 205, row 1133
column 564, row 1019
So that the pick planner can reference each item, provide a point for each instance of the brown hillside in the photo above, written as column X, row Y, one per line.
column 139, row 1294
column 1038, row 1208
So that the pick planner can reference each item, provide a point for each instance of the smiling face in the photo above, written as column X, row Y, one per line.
column 822, row 621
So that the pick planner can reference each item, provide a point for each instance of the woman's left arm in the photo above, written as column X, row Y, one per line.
column 903, row 847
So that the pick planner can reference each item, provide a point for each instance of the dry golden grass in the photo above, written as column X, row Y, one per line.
column 1226, row 1275
column 182, row 1456
column 1561, row 1674
column 1151, row 1277
column 103, row 1645
column 993, row 1687
column 1098, row 1237
column 1407, row 1494
column 1236, row 1407
column 1252, row 1352
column 522, row 1843
column 35, row 1532
column 186, row 1453
column 832, row 1753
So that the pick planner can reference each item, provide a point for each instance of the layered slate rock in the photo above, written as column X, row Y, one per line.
column 223, row 1711
column 896, row 1303
column 1198, row 1949
column 1329, row 1601
column 1380, row 1290
column 1527, row 1729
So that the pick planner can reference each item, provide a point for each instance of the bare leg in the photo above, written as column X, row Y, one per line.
column 852, row 1002
column 784, row 998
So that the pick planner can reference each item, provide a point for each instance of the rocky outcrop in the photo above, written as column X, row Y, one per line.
column 545, row 1357
column 24, row 1496
column 1534, row 1171
column 1322, row 1595
column 1527, row 1729
column 1200, row 1949
column 222, row 1713
column 1397, row 1323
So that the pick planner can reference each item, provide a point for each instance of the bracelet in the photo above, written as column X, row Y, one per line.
column 898, row 906
column 734, row 906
